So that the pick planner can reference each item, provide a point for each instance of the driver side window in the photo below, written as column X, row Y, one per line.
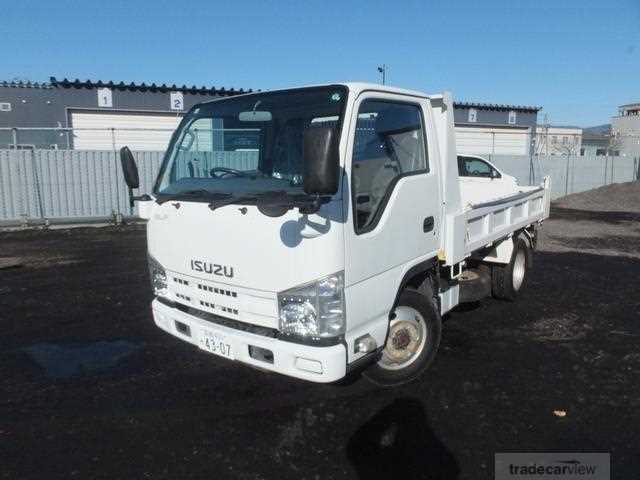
column 389, row 144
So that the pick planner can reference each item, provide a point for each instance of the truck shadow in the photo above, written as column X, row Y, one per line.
column 397, row 442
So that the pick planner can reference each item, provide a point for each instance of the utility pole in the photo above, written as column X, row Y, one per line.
column 546, row 134
column 383, row 71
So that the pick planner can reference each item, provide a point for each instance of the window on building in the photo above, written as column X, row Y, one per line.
column 395, row 146
column 473, row 115
column 554, row 139
column 513, row 117
column 582, row 152
column 565, row 140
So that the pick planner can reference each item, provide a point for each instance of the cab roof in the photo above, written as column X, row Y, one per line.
column 355, row 87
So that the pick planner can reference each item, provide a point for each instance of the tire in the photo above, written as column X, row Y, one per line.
column 475, row 284
column 507, row 281
column 417, row 321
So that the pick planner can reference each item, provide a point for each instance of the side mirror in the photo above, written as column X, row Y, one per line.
column 129, row 168
column 321, row 160
column 130, row 172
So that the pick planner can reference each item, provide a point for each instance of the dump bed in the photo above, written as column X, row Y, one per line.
column 478, row 225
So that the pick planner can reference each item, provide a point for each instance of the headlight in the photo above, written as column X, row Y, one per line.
column 158, row 278
column 315, row 309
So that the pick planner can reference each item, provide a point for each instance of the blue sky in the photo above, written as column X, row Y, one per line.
column 578, row 59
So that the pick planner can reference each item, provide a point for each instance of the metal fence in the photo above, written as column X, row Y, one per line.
column 569, row 174
column 41, row 186
column 58, row 186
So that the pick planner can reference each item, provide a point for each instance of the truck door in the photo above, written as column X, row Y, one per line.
column 394, row 218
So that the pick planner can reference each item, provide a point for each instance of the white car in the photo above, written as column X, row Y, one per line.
column 480, row 179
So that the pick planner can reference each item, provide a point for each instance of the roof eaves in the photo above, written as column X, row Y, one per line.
column 65, row 83
column 22, row 84
column 496, row 106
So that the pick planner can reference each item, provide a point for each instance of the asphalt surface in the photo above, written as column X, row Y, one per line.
column 90, row 388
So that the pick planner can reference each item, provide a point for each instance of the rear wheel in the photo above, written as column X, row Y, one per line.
column 508, row 280
column 412, row 341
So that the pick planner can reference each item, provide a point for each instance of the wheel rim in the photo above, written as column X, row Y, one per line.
column 519, row 268
column 406, row 340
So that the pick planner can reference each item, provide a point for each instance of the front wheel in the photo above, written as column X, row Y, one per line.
column 412, row 341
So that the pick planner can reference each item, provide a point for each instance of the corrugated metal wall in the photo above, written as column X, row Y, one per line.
column 571, row 174
column 67, row 185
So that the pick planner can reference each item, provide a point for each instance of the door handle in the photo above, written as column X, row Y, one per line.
column 428, row 224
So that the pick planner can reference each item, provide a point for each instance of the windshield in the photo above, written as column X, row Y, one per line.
column 248, row 145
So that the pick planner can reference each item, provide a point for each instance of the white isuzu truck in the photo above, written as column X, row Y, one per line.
column 322, row 230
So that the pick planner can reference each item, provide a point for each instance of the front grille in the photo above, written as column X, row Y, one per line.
column 218, row 291
column 218, row 320
column 214, row 299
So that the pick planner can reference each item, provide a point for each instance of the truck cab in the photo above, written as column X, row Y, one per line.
column 317, row 231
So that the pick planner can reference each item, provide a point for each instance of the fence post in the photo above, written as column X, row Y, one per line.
column 573, row 173
column 14, row 138
column 566, row 178
column 532, row 172
column 118, row 215
column 36, row 181
column 612, row 170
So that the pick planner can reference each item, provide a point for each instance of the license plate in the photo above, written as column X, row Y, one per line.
column 216, row 343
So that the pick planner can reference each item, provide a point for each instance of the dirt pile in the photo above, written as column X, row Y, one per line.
column 618, row 197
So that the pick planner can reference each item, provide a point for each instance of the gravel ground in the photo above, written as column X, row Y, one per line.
column 619, row 197
column 91, row 389
column 571, row 227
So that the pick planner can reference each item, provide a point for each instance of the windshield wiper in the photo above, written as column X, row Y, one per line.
column 272, row 203
column 201, row 192
column 230, row 199
column 277, row 203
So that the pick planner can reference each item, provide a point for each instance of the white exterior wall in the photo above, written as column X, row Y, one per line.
column 552, row 140
column 138, row 131
column 626, row 129
column 492, row 140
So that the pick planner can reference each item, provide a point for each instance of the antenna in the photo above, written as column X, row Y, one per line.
column 383, row 71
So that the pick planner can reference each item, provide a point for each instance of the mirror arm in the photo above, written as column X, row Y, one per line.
column 135, row 198
column 314, row 205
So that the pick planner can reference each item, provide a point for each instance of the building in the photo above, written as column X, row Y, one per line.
column 595, row 145
column 103, row 115
column 494, row 129
column 596, row 141
column 97, row 115
column 558, row 140
column 625, row 130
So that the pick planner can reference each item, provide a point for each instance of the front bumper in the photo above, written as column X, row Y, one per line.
column 316, row 364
